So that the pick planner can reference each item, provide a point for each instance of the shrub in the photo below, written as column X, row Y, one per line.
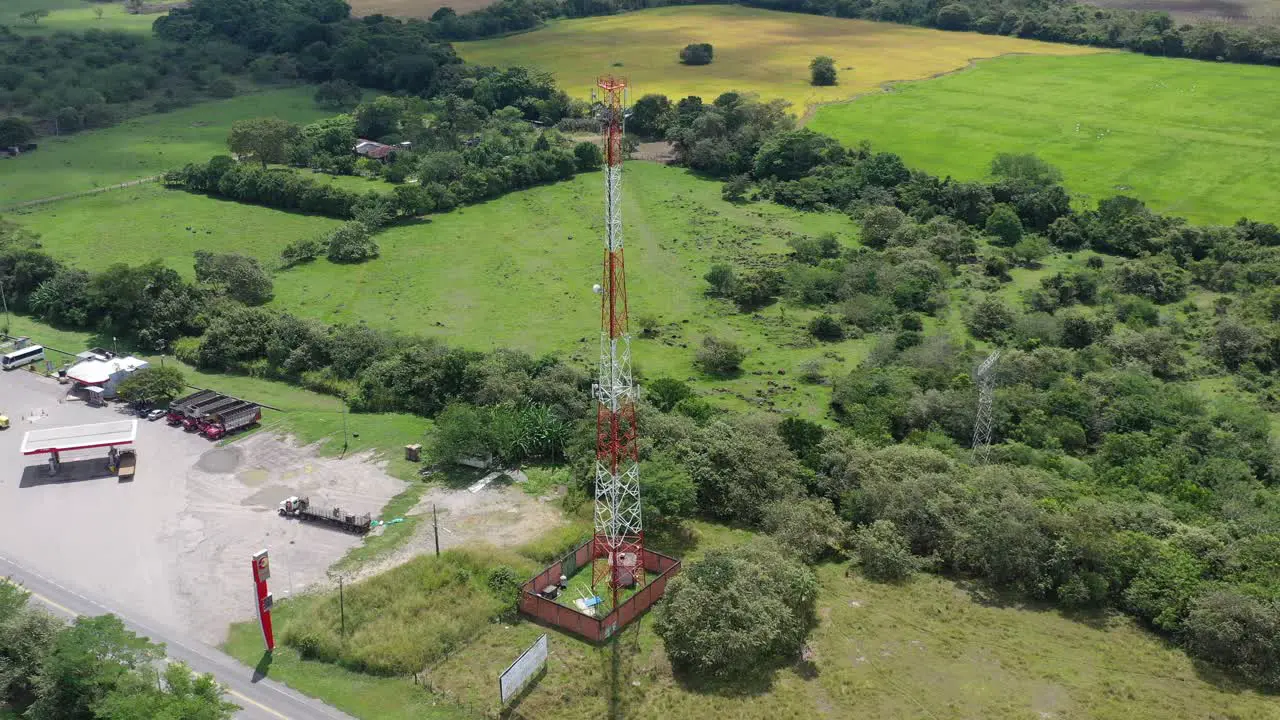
column 588, row 156
column 237, row 276
column 739, row 612
column 825, row 327
column 822, row 71
column 665, row 393
column 719, row 357
column 351, row 243
column 697, row 54
column 808, row 527
column 883, row 552
column 721, row 279
column 1239, row 632
column 954, row 17
column 1004, row 226
column 990, row 319
column 301, row 250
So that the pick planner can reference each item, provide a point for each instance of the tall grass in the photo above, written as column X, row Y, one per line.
column 405, row 619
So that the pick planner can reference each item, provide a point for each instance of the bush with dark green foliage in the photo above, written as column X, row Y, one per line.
column 883, row 553
column 717, row 356
column 808, row 527
column 665, row 392
column 822, row 71
column 351, row 243
column 738, row 613
column 825, row 327
column 697, row 54
column 152, row 385
column 237, row 276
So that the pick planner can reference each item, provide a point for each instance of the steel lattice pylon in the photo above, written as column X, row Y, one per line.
column 986, row 379
column 619, row 533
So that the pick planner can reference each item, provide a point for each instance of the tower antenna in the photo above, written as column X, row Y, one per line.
column 986, row 378
column 619, row 533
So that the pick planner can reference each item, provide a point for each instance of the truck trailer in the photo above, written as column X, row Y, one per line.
column 177, row 407
column 302, row 509
column 207, row 420
column 195, row 410
column 220, row 425
column 197, row 416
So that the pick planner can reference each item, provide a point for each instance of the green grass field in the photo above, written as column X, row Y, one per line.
column 73, row 16
column 147, row 222
column 1190, row 138
column 144, row 146
column 757, row 51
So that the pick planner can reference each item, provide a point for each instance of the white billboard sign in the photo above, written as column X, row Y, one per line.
column 524, row 669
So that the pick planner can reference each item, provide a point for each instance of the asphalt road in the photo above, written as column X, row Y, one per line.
column 259, row 698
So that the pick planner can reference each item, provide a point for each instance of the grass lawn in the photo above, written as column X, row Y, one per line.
column 928, row 649
column 1190, row 138
column 147, row 222
column 517, row 272
column 73, row 16
column 144, row 146
column 757, row 51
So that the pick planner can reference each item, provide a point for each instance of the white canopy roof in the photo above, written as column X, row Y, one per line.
column 80, row 437
column 97, row 372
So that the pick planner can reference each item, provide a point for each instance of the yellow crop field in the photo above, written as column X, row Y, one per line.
column 759, row 51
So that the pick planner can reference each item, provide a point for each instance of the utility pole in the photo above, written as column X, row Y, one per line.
column 6, row 307
column 435, row 526
column 344, row 430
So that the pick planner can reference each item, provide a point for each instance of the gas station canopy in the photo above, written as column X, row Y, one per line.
column 80, row 437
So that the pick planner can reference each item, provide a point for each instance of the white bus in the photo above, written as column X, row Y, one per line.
column 25, row 356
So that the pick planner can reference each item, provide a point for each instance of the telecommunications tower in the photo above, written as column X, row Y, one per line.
column 986, row 378
column 619, row 535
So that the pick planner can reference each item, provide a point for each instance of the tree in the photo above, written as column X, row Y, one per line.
column 650, row 116
column 822, row 71
column 88, row 661
column 337, row 95
column 790, row 155
column 954, row 17
column 266, row 139
column 184, row 696
column 1239, row 632
column 667, row 491
column 302, row 250
column 740, row 465
column 1024, row 168
column 1004, row 226
column 719, row 357
column 152, row 385
column 351, row 243
column 588, row 156
column 97, row 12
column 883, row 552
column 738, row 613
column 26, row 634
column 809, row 527
column 990, row 319
column 460, row 432
column 721, row 279
column 237, row 276
column 697, row 54
column 15, row 131
column 825, row 327
column 35, row 16
column 879, row 223
column 665, row 392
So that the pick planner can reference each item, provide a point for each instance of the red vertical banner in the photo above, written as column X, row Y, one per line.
column 262, row 597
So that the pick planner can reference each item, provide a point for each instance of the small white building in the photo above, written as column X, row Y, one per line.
column 104, row 374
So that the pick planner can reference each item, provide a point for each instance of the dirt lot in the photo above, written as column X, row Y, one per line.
column 173, row 545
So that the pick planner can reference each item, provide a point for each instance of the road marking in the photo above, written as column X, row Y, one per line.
column 257, row 704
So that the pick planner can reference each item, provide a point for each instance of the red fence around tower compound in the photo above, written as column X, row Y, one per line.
column 596, row 629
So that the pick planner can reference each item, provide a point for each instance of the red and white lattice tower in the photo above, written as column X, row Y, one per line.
column 619, row 534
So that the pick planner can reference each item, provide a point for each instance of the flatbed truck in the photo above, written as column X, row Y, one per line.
column 302, row 509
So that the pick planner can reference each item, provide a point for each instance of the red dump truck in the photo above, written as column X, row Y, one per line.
column 178, row 407
column 301, row 508
column 198, row 416
column 192, row 413
column 207, row 420
column 220, row 424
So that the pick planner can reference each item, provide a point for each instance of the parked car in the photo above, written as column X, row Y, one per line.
column 155, row 414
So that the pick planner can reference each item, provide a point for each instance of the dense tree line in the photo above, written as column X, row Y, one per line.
column 93, row 669
column 64, row 82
